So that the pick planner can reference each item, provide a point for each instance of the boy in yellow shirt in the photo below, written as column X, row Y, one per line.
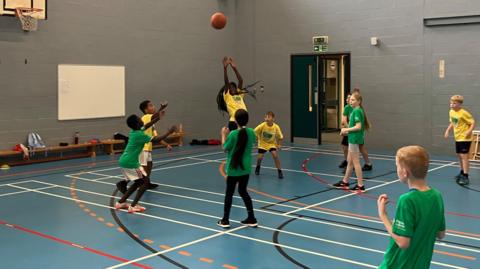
column 462, row 123
column 148, row 109
column 270, row 138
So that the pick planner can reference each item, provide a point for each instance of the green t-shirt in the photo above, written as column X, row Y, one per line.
column 230, row 146
column 347, row 110
column 357, row 137
column 420, row 216
column 136, row 142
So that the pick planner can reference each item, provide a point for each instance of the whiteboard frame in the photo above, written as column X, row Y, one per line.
column 76, row 77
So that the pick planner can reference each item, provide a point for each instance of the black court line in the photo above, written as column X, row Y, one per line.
column 132, row 236
column 296, row 198
column 468, row 188
column 299, row 216
column 280, row 250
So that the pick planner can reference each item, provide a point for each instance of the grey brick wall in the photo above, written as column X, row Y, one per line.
column 168, row 47
column 171, row 52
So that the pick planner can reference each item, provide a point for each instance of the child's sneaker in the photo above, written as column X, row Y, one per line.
column 122, row 186
column 457, row 177
column 341, row 184
column 367, row 167
column 343, row 164
column 224, row 224
column 357, row 188
column 463, row 180
column 280, row 174
column 257, row 170
column 250, row 222
column 137, row 208
column 121, row 206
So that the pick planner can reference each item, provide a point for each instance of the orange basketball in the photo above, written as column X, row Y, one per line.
column 218, row 20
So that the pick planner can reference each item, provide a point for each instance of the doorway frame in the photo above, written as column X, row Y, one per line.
column 347, row 85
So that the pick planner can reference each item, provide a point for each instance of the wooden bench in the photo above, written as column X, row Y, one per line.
column 175, row 139
column 90, row 151
column 109, row 146
column 475, row 147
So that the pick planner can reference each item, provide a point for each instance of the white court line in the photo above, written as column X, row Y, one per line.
column 264, row 227
column 298, row 171
column 177, row 247
column 6, row 184
column 214, row 230
column 257, row 210
column 235, row 221
column 353, row 193
column 339, row 153
column 369, row 154
column 262, row 201
column 161, row 161
column 19, row 192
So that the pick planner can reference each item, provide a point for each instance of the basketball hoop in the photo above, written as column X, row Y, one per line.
column 28, row 21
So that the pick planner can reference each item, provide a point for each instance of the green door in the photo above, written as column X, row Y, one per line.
column 304, row 97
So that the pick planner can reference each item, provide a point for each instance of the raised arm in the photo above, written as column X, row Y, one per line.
column 165, row 135
column 239, row 77
column 157, row 116
column 226, row 62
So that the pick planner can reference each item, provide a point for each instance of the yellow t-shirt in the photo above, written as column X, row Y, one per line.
column 268, row 136
column 461, row 120
column 150, row 131
column 234, row 103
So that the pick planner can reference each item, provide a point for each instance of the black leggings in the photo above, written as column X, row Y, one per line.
column 242, row 190
column 141, row 185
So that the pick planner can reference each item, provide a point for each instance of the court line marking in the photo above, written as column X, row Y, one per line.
column 19, row 192
column 339, row 153
column 216, row 231
column 216, row 217
column 300, row 171
column 156, row 162
column 71, row 244
column 260, row 201
column 257, row 210
column 6, row 184
column 351, row 194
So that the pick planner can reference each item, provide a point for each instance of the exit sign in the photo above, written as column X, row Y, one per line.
column 320, row 43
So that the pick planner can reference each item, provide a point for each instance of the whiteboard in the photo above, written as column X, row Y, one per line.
column 90, row 91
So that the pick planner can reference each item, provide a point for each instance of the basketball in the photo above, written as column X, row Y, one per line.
column 218, row 20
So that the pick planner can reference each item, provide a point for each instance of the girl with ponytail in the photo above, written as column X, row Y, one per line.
column 238, row 144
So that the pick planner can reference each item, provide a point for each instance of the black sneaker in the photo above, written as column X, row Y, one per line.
column 280, row 174
column 457, row 177
column 358, row 188
column 223, row 223
column 463, row 180
column 152, row 186
column 343, row 164
column 367, row 167
column 341, row 184
column 250, row 222
column 257, row 170
column 122, row 186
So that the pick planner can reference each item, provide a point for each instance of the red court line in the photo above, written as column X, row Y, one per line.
column 56, row 239
column 305, row 169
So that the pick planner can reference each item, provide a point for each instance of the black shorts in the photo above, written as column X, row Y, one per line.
column 232, row 126
column 262, row 151
column 463, row 147
column 345, row 140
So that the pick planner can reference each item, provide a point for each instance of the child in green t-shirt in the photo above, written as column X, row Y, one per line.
column 419, row 218
column 238, row 144
column 358, row 123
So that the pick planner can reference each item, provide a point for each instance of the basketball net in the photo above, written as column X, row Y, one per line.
column 25, row 15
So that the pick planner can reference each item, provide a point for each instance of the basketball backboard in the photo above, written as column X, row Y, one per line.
column 7, row 7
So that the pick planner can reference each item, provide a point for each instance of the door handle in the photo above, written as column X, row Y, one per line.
column 310, row 107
